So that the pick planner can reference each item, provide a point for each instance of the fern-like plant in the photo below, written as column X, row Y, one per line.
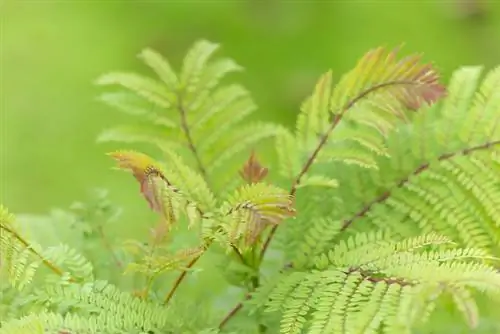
column 383, row 215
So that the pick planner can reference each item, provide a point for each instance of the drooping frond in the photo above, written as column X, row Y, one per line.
column 318, row 237
column 159, row 185
column 190, row 109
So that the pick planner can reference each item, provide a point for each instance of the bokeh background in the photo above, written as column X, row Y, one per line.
column 52, row 51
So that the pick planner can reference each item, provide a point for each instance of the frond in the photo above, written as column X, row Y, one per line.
column 194, row 186
column 161, row 67
column 149, row 89
column 368, row 248
column 377, row 284
column 136, row 106
column 466, row 304
column 195, row 110
column 372, row 99
column 162, row 194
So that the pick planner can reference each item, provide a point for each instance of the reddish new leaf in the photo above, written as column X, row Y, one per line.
column 253, row 171
column 147, row 172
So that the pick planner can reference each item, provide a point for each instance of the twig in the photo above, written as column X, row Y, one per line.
column 183, row 274
column 233, row 312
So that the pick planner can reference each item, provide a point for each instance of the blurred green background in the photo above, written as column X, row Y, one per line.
column 52, row 51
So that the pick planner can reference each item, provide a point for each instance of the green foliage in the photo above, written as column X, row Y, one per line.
column 193, row 103
column 389, row 223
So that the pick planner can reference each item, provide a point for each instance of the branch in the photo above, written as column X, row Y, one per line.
column 183, row 274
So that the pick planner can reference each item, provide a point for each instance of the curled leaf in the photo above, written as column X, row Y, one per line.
column 147, row 172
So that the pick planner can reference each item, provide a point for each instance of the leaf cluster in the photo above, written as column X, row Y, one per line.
column 389, row 220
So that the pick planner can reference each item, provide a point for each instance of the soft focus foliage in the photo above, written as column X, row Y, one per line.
column 380, row 220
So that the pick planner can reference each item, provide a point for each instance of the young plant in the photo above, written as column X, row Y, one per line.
column 382, row 215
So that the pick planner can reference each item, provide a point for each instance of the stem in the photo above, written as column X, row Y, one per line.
column 187, row 132
column 150, row 277
column 201, row 168
column 231, row 314
column 183, row 274
column 181, row 278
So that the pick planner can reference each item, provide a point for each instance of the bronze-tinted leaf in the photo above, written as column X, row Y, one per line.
column 253, row 171
column 148, row 173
